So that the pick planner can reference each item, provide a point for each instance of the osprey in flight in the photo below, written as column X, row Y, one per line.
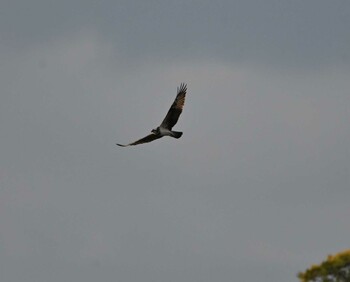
column 169, row 121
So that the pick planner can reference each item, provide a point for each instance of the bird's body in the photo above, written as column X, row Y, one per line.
column 162, row 131
column 165, row 129
column 165, row 132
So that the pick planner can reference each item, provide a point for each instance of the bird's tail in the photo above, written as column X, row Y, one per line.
column 176, row 134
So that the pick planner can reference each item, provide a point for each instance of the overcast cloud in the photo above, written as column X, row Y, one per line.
column 257, row 188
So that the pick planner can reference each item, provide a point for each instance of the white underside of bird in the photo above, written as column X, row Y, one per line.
column 165, row 132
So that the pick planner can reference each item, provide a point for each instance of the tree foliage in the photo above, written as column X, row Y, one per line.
column 335, row 268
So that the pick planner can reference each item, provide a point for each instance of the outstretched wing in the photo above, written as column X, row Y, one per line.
column 148, row 138
column 176, row 108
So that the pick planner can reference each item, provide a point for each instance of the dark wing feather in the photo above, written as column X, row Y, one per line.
column 148, row 138
column 176, row 108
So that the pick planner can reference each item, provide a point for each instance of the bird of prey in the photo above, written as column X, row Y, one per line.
column 169, row 121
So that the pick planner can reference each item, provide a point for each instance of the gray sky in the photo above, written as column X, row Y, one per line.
column 257, row 188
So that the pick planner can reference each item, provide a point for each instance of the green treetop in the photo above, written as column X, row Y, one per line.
column 335, row 268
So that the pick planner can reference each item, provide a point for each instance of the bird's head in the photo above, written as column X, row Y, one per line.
column 155, row 131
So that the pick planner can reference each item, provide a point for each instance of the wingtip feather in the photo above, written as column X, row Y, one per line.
column 183, row 87
column 121, row 145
